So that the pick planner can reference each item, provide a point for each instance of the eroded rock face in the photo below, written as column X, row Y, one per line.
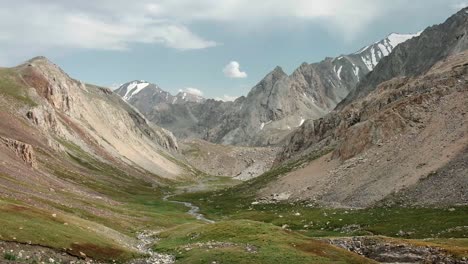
column 22, row 150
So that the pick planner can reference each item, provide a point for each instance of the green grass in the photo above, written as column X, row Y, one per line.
column 10, row 256
column 11, row 86
column 137, row 206
column 456, row 246
column 270, row 244
column 312, row 221
column 28, row 225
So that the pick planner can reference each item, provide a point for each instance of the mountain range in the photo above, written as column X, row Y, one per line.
column 273, row 108
column 360, row 158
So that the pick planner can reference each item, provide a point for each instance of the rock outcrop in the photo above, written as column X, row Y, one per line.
column 22, row 150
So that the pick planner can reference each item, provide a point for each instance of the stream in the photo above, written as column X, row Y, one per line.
column 148, row 238
column 193, row 209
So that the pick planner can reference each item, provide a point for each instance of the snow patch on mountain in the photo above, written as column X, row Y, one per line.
column 133, row 89
column 371, row 55
column 396, row 39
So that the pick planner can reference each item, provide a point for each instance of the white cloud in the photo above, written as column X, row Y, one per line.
column 193, row 91
column 34, row 27
column 459, row 5
column 334, row 14
column 59, row 26
column 115, row 86
column 232, row 70
column 226, row 98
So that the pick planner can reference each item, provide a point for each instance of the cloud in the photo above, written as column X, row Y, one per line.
column 460, row 5
column 115, row 86
column 58, row 26
column 226, row 98
column 333, row 14
column 232, row 70
column 192, row 90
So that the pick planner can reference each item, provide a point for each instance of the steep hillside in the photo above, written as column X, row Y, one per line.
column 406, row 141
column 95, row 119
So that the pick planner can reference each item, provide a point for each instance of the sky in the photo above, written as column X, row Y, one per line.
column 215, row 48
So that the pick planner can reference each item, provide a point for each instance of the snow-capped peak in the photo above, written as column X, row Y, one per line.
column 395, row 38
column 134, row 88
column 371, row 55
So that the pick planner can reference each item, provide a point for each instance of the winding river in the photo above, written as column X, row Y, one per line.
column 193, row 209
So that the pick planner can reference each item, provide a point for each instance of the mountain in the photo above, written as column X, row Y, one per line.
column 186, row 114
column 144, row 94
column 280, row 103
column 379, row 178
column 400, row 134
column 273, row 108
column 418, row 55
column 94, row 119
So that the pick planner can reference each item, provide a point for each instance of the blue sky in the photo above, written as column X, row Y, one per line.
column 222, row 48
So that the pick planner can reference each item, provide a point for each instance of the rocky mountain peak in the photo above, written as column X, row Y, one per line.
column 130, row 89
column 186, row 96
column 278, row 70
column 39, row 59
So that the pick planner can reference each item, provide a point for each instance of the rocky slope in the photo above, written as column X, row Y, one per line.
column 241, row 163
column 273, row 108
column 399, row 140
column 405, row 146
column 95, row 119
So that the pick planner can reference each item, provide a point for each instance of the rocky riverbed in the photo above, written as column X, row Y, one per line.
column 145, row 241
column 395, row 253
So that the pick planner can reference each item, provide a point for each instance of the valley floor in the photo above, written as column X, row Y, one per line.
column 233, row 230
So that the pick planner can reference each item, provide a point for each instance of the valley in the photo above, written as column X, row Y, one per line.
column 362, row 158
